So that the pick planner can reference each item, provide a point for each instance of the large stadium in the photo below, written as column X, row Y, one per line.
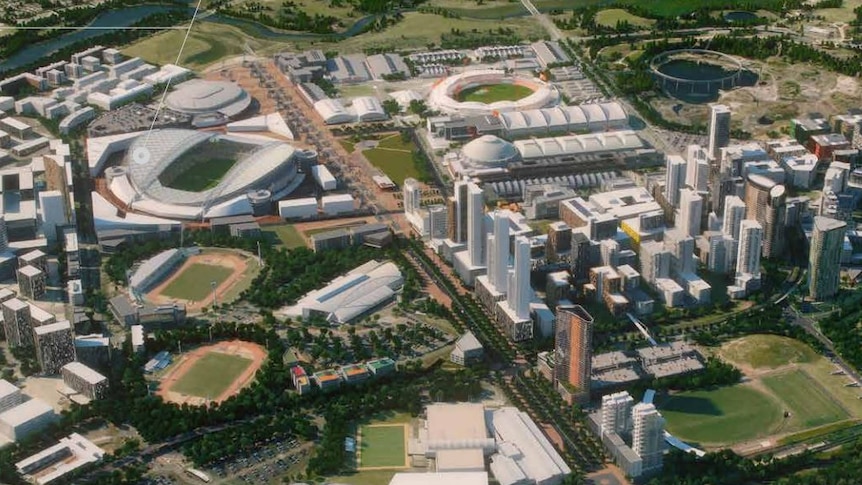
column 486, row 91
column 187, row 174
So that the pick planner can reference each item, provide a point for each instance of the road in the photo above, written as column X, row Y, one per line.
column 547, row 23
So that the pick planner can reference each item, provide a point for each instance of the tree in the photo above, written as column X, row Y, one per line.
column 391, row 107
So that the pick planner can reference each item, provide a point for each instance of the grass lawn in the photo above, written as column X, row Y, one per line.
column 194, row 283
column 767, row 351
column 382, row 446
column 347, row 145
column 491, row 93
column 417, row 30
column 211, row 375
column 284, row 235
column 207, row 43
column 724, row 415
column 396, row 164
column 806, row 400
column 395, row 142
column 611, row 16
column 203, row 176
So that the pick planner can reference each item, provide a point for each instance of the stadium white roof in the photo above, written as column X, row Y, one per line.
column 150, row 266
column 105, row 215
column 85, row 372
column 353, row 294
column 267, row 165
column 451, row 478
column 489, row 149
column 577, row 144
column 592, row 117
column 526, row 446
column 199, row 96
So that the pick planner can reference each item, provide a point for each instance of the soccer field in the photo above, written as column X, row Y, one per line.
column 806, row 400
column 211, row 375
column 382, row 446
column 767, row 351
column 203, row 176
column 194, row 282
column 491, row 93
column 725, row 415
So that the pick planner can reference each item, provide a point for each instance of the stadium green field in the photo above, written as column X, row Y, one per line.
column 203, row 176
column 211, row 375
column 382, row 446
column 767, row 351
column 491, row 93
column 806, row 400
column 724, row 415
column 194, row 282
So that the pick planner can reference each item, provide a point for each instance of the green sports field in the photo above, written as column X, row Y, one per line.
column 767, row 351
column 807, row 401
column 382, row 446
column 491, row 93
column 203, row 176
column 194, row 282
column 394, row 157
column 723, row 415
column 211, row 375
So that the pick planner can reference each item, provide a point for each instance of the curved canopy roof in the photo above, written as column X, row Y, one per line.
column 489, row 149
column 202, row 97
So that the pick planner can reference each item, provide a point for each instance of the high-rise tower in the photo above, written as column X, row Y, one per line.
column 675, row 179
column 573, row 350
column 648, row 435
column 824, row 257
column 719, row 130
column 475, row 233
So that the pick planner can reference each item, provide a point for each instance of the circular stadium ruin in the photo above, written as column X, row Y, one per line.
column 698, row 75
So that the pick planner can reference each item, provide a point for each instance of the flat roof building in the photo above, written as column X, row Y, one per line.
column 25, row 419
column 524, row 454
column 84, row 380
column 70, row 454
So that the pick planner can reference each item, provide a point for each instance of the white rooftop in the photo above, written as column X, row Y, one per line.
column 85, row 372
column 25, row 412
column 53, row 327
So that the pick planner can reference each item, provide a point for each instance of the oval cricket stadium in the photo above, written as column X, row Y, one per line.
column 486, row 91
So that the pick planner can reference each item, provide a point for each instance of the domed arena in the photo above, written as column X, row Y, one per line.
column 187, row 174
column 517, row 93
column 200, row 97
column 489, row 151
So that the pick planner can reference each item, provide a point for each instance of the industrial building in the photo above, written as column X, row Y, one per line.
column 564, row 119
column 524, row 454
column 353, row 295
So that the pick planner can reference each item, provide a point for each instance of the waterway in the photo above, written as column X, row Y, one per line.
column 127, row 16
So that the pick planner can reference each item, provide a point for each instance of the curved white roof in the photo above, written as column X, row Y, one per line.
column 199, row 96
column 443, row 94
column 353, row 294
column 332, row 112
column 266, row 165
column 489, row 149
column 576, row 144
column 595, row 117
column 368, row 108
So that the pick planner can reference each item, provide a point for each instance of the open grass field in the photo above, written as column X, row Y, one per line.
column 284, row 235
column 207, row 43
column 211, row 375
column 611, row 16
column 203, row 176
column 394, row 157
column 382, row 445
column 194, row 282
column 491, row 93
column 724, row 415
column 417, row 30
column 807, row 402
column 767, row 351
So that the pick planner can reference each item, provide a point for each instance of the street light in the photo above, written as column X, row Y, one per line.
column 213, row 284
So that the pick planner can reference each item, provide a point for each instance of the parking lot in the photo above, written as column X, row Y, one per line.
column 265, row 465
